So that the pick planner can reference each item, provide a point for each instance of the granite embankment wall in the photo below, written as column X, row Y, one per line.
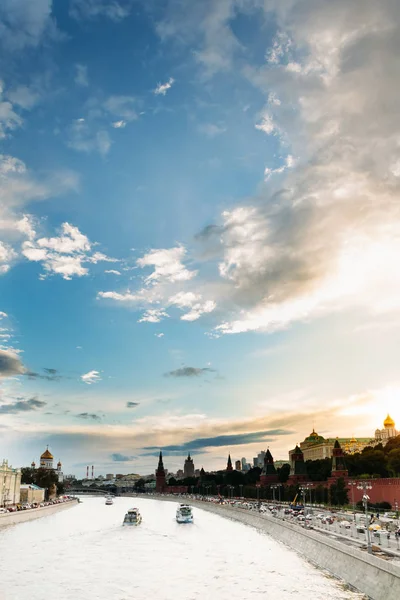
column 34, row 513
column 378, row 579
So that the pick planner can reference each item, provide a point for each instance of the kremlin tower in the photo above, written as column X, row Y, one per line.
column 268, row 474
column 229, row 464
column 160, row 476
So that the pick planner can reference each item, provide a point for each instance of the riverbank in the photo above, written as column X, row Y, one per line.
column 34, row 513
column 367, row 574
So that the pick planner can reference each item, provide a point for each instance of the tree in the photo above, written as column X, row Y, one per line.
column 27, row 475
column 320, row 469
column 394, row 462
column 283, row 473
column 339, row 493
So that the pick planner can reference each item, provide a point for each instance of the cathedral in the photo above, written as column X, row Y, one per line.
column 46, row 462
column 382, row 436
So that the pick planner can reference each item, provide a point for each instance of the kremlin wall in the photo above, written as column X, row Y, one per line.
column 314, row 447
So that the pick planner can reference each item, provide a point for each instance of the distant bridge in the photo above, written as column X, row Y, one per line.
column 86, row 491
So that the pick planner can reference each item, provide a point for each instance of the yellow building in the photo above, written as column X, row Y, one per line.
column 10, row 483
column 316, row 447
column 31, row 493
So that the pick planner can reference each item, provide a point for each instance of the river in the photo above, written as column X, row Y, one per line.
column 84, row 553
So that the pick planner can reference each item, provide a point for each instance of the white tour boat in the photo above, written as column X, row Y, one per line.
column 109, row 501
column 184, row 514
column 132, row 517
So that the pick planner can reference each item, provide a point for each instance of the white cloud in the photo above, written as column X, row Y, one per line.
column 211, row 130
column 167, row 265
column 159, row 335
column 81, row 76
column 9, row 119
column 162, row 88
column 119, row 124
column 23, row 96
column 194, row 302
column 153, row 315
column 65, row 254
column 26, row 24
column 7, row 255
column 83, row 138
column 289, row 163
column 123, row 107
column 112, row 272
column 18, row 187
column 91, row 377
column 266, row 125
column 115, row 10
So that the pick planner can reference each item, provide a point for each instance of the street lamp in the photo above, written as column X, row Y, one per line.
column 364, row 486
column 276, row 486
column 258, row 485
column 304, row 489
column 241, row 490
column 352, row 484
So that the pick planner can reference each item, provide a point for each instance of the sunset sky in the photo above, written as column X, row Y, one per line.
column 199, row 227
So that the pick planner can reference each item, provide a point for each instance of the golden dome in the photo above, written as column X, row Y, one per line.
column 388, row 422
column 47, row 455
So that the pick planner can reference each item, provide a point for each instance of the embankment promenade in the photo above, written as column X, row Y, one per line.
column 34, row 513
column 375, row 577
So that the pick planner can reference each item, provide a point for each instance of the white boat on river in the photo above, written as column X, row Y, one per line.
column 184, row 514
column 132, row 517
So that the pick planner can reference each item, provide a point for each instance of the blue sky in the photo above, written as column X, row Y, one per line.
column 199, row 216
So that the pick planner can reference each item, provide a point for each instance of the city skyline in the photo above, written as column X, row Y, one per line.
column 199, row 225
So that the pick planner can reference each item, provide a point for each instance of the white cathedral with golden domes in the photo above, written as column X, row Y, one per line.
column 46, row 462
column 382, row 436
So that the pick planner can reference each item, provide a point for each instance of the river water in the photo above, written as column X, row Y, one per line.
column 85, row 553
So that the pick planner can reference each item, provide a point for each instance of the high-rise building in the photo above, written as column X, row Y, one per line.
column 238, row 465
column 244, row 463
column 260, row 459
column 188, row 469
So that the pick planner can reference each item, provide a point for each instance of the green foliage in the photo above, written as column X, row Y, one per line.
column 338, row 492
column 319, row 470
column 27, row 475
column 283, row 473
column 393, row 462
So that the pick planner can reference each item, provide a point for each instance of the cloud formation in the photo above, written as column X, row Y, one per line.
column 162, row 88
column 10, row 364
column 131, row 404
column 261, row 437
column 48, row 375
column 189, row 372
column 117, row 10
column 81, row 76
column 21, row 406
column 91, row 377
column 89, row 416
column 25, row 24
column 65, row 254
column 118, row 457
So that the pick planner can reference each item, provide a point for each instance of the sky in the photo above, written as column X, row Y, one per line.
column 199, row 228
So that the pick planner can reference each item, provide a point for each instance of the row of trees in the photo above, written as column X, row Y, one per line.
column 43, row 478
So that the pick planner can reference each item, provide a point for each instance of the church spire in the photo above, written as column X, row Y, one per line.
column 229, row 465
column 160, row 463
